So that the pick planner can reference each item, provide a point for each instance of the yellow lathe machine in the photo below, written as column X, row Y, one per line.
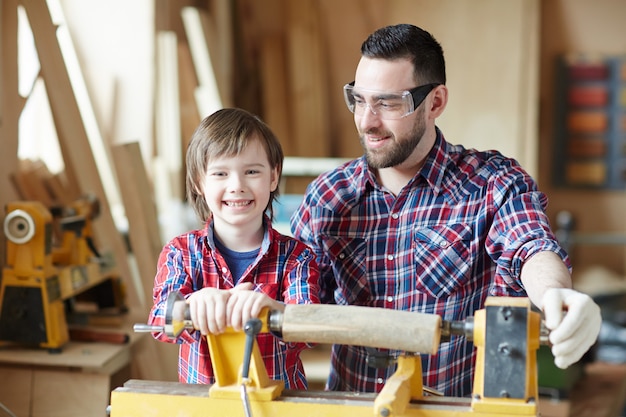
column 506, row 333
column 40, row 277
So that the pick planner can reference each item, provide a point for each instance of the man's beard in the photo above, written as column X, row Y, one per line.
column 398, row 151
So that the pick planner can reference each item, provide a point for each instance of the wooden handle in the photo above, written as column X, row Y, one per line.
column 362, row 326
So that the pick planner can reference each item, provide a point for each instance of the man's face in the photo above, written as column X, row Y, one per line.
column 387, row 143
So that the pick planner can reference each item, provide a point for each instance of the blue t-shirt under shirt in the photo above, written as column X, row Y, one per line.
column 237, row 262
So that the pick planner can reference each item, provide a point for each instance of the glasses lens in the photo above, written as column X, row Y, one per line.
column 348, row 96
column 386, row 105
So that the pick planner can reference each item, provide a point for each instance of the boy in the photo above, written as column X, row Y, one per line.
column 237, row 264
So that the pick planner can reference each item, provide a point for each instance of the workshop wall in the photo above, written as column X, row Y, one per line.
column 578, row 26
column 319, row 42
column 289, row 61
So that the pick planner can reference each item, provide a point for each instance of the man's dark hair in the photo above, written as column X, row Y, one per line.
column 410, row 42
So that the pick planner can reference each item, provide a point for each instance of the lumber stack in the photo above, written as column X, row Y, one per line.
column 88, row 165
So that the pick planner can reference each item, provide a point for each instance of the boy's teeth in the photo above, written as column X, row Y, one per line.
column 237, row 204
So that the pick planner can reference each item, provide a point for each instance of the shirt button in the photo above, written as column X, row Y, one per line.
column 395, row 216
column 342, row 255
column 390, row 257
column 443, row 244
column 390, row 299
column 224, row 270
column 380, row 380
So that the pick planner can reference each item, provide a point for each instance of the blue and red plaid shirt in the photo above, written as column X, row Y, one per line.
column 458, row 232
column 285, row 269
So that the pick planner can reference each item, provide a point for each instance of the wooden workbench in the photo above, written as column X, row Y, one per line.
column 601, row 392
column 75, row 382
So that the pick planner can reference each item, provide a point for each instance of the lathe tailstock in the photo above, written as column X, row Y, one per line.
column 506, row 334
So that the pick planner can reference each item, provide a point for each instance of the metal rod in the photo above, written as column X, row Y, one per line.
column 147, row 328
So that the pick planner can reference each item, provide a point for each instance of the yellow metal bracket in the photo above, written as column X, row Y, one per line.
column 227, row 353
column 402, row 387
column 503, row 311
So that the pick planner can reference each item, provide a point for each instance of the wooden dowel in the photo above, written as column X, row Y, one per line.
column 362, row 326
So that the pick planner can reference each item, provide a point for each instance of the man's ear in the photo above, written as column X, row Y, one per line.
column 438, row 101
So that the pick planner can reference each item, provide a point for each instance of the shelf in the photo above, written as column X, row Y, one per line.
column 590, row 149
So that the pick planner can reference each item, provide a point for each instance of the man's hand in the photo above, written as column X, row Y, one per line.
column 574, row 320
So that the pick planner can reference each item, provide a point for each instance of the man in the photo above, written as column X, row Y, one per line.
column 419, row 224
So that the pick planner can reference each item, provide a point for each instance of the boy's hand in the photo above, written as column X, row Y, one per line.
column 208, row 310
column 245, row 303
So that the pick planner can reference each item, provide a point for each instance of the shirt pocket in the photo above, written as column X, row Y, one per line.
column 442, row 258
column 347, row 259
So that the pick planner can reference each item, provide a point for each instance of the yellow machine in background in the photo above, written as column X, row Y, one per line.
column 506, row 334
column 39, row 277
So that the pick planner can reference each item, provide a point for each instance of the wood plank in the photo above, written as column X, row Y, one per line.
column 195, row 22
column 138, row 199
column 15, row 389
column 20, row 184
column 168, row 133
column 61, row 190
column 74, row 141
column 343, row 56
column 80, row 356
column 187, row 85
column 253, row 21
column 10, row 106
column 275, row 97
column 307, row 76
column 224, row 37
column 528, row 87
column 30, row 181
column 145, row 242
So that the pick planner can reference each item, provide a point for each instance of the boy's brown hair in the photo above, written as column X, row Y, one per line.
column 227, row 132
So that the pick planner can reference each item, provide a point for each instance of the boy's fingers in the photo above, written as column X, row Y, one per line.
column 246, row 286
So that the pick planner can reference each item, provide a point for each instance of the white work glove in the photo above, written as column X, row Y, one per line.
column 574, row 320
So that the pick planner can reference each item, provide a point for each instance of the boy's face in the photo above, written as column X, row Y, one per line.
column 237, row 189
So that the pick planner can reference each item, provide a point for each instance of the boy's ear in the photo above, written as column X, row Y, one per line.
column 274, row 179
column 198, row 190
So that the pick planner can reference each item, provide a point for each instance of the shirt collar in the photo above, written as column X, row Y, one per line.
column 436, row 162
column 268, row 235
column 433, row 170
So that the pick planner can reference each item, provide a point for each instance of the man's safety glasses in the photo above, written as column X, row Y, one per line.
column 386, row 105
